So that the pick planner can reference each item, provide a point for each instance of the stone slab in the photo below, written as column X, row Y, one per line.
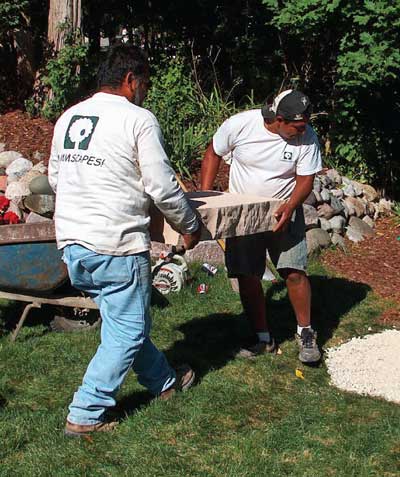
column 223, row 215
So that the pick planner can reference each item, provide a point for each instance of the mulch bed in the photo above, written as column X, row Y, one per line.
column 375, row 262
column 26, row 135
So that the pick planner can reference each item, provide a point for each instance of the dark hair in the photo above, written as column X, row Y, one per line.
column 120, row 60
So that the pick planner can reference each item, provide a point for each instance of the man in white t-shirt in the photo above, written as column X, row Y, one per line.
column 274, row 153
column 107, row 163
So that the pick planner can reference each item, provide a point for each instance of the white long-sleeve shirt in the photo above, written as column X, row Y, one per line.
column 107, row 163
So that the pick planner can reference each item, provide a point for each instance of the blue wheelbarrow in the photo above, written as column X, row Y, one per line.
column 31, row 270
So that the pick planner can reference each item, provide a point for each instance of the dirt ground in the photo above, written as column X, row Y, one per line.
column 26, row 135
column 374, row 261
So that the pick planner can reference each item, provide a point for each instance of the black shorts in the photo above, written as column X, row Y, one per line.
column 287, row 249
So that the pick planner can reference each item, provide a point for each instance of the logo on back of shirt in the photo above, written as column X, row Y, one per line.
column 80, row 131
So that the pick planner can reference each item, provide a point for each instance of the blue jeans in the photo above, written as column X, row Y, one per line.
column 121, row 287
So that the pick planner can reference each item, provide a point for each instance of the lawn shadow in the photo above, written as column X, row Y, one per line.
column 130, row 403
column 332, row 298
column 210, row 342
column 3, row 401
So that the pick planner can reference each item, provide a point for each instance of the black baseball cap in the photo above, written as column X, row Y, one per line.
column 291, row 104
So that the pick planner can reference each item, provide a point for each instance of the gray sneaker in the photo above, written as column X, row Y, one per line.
column 259, row 348
column 309, row 352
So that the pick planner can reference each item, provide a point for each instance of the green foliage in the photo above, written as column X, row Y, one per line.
column 64, row 75
column 348, row 58
column 10, row 14
column 188, row 116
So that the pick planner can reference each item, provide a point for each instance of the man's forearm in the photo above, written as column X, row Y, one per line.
column 209, row 168
column 304, row 186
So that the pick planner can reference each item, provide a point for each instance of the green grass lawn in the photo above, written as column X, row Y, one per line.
column 243, row 418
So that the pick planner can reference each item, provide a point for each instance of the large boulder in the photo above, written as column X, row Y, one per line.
column 349, row 191
column 384, row 207
column 2, row 147
column 334, row 176
column 355, row 206
column 369, row 206
column 338, row 193
column 18, row 168
column 354, row 235
column 310, row 216
column 337, row 224
column 369, row 221
column 336, row 205
column 325, row 224
column 369, row 192
column 325, row 211
column 7, row 157
column 358, row 189
column 338, row 241
column 17, row 191
column 40, row 185
column 359, row 227
column 325, row 195
column 317, row 239
column 41, row 204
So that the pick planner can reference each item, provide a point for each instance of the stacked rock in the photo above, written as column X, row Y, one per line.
column 25, row 193
column 339, row 207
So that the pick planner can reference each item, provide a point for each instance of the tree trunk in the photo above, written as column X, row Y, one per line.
column 61, row 12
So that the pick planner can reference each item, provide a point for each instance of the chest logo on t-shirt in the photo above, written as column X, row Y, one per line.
column 80, row 131
column 287, row 156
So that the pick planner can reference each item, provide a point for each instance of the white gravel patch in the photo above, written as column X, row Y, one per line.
column 368, row 365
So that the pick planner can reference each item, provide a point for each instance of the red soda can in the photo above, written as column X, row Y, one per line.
column 210, row 269
column 202, row 289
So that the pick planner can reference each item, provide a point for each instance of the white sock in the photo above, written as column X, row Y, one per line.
column 301, row 328
column 264, row 336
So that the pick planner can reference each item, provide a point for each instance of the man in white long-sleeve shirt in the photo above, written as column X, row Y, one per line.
column 107, row 163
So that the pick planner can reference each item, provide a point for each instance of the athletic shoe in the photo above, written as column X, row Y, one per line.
column 259, row 348
column 308, row 348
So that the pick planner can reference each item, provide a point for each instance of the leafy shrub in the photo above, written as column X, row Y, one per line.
column 348, row 57
column 63, row 80
column 188, row 116
column 65, row 74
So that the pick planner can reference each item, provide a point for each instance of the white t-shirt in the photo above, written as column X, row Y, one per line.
column 263, row 163
column 107, row 163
